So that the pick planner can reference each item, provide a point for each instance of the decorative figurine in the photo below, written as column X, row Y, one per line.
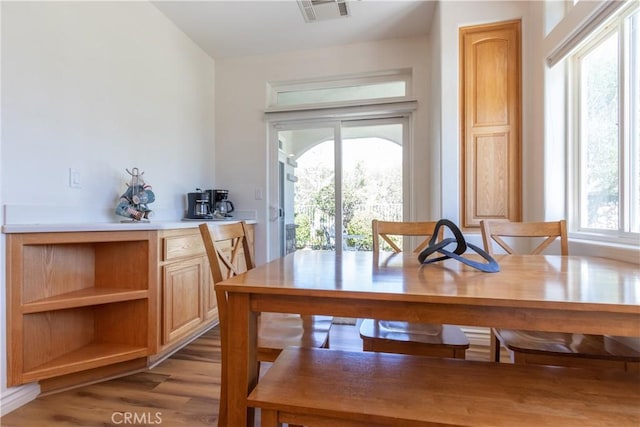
column 133, row 203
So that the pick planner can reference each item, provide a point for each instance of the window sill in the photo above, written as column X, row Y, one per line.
column 622, row 252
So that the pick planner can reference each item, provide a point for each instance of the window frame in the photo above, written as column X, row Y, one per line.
column 623, row 234
column 276, row 88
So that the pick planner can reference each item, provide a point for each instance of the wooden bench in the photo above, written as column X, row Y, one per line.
column 321, row 387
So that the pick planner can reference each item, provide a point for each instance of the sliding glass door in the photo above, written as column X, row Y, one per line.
column 334, row 178
column 309, row 182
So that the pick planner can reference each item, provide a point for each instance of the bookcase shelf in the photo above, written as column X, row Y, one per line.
column 87, row 357
column 83, row 298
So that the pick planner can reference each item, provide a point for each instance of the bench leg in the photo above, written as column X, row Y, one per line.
column 459, row 353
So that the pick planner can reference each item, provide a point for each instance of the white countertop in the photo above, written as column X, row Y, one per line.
column 108, row 226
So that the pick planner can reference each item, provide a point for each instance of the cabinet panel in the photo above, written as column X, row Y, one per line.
column 56, row 269
column 183, row 246
column 491, row 92
column 42, row 342
column 182, row 298
column 491, row 164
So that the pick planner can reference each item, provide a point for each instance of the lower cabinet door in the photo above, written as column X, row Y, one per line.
column 182, row 302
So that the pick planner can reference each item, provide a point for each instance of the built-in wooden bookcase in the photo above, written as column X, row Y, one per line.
column 78, row 301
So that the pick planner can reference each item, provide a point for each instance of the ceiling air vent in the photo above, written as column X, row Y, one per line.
column 322, row 10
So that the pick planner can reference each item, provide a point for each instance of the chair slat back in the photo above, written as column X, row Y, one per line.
column 385, row 229
column 225, row 243
column 494, row 231
column 215, row 237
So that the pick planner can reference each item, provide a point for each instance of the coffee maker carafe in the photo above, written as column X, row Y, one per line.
column 222, row 207
column 198, row 205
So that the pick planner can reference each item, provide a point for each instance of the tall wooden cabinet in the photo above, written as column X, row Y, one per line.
column 490, row 79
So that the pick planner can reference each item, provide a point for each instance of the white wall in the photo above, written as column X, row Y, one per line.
column 100, row 87
column 241, row 132
column 435, row 118
column 451, row 16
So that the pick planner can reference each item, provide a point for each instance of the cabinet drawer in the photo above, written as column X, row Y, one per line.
column 176, row 247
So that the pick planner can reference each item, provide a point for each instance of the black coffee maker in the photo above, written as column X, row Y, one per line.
column 199, row 205
column 221, row 206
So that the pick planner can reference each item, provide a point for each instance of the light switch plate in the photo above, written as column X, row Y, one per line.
column 74, row 178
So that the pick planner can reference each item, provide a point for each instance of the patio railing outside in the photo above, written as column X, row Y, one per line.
column 315, row 229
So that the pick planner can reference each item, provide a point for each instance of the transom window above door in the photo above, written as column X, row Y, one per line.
column 344, row 90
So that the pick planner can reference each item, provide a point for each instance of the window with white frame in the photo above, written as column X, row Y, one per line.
column 606, row 153
column 343, row 90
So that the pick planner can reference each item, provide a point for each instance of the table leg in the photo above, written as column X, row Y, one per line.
column 224, row 381
column 242, row 375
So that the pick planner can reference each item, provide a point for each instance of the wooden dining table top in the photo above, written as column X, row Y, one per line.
column 535, row 292
column 573, row 283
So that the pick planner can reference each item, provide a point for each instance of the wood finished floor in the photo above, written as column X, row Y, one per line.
column 181, row 391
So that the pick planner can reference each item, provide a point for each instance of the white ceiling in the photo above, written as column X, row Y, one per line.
column 233, row 28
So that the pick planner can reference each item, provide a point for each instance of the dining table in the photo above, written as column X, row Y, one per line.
column 578, row 294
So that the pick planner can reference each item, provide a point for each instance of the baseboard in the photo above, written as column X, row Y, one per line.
column 477, row 336
column 92, row 376
column 15, row 397
column 169, row 351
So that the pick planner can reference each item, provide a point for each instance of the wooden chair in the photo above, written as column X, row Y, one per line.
column 229, row 254
column 551, row 348
column 410, row 337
